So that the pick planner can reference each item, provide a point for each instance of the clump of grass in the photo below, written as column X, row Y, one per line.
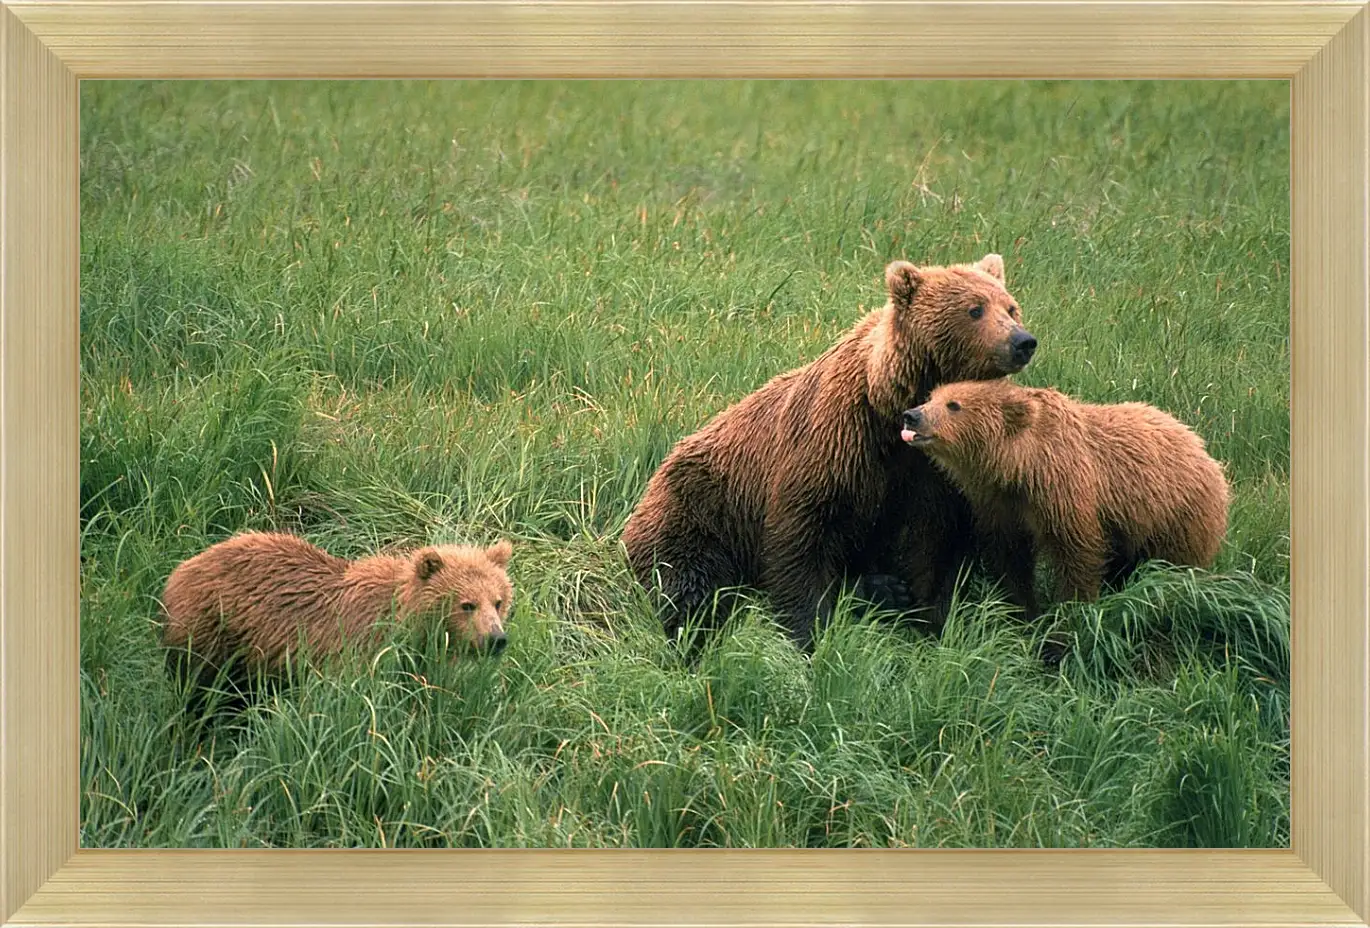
column 1205, row 788
column 1166, row 615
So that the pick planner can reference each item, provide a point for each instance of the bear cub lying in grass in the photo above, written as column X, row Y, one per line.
column 253, row 599
column 1096, row 489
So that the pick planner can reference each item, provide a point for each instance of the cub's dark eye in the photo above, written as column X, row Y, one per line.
column 468, row 607
column 499, row 604
column 1013, row 311
column 953, row 406
column 977, row 311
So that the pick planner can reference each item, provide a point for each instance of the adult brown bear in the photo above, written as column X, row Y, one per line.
column 806, row 482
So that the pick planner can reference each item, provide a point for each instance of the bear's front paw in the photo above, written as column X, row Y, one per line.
column 1053, row 652
column 884, row 591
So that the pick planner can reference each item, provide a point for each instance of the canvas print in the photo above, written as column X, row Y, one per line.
column 684, row 464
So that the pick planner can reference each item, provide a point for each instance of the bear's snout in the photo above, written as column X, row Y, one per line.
column 915, row 427
column 1022, row 344
column 497, row 642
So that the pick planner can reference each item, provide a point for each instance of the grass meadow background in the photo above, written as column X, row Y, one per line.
column 386, row 314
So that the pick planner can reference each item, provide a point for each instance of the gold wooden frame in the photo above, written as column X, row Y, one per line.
column 47, row 46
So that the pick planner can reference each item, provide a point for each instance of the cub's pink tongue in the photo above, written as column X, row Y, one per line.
column 908, row 435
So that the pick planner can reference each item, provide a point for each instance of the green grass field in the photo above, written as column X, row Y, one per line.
column 390, row 314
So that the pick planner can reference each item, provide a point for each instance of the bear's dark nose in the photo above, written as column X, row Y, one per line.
column 496, row 643
column 913, row 418
column 1023, row 345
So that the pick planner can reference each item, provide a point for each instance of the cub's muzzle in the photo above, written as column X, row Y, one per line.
column 913, row 423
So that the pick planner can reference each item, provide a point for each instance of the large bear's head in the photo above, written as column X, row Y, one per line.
column 962, row 316
column 467, row 588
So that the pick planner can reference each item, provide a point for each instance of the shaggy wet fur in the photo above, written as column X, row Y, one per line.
column 788, row 489
column 1095, row 489
column 255, row 598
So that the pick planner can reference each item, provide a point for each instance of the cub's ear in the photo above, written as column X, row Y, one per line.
column 427, row 562
column 903, row 281
column 499, row 552
column 1018, row 415
column 993, row 265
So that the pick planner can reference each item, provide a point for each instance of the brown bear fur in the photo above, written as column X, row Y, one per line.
column 1096, row 489
column 257, row 596
column 788, row 489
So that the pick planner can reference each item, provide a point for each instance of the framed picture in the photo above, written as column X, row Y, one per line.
column 238, row 305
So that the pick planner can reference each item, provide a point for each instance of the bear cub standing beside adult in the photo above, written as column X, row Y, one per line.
column 257, row 596
column 1096, row 488
column 805, row 483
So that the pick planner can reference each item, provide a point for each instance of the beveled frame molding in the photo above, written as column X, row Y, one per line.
column 48, row 46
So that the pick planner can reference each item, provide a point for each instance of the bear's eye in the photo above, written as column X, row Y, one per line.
column 499, row 604
column 953, row 405
column 468, row 607
column 977, row 311
column 1013, row 310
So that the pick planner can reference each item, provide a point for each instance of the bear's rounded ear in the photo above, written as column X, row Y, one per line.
column 993, row 265
column 1017, row 415
column 499, row 552
column 426, row 563
column 903, row 281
